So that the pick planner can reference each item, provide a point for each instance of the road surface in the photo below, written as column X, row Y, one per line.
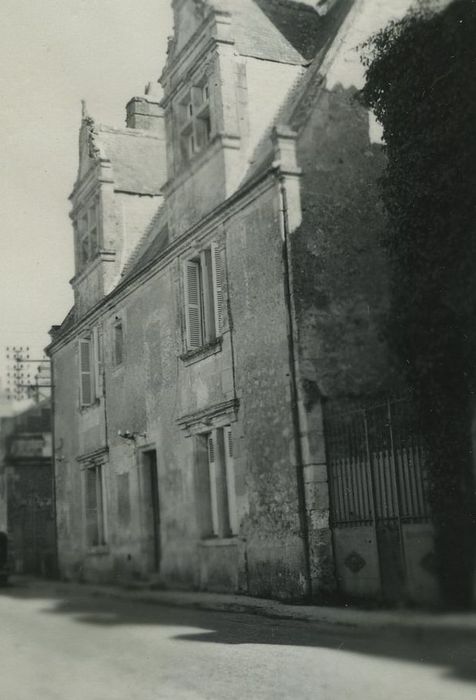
column 76, row 646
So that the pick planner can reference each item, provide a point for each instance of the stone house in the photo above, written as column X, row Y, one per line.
column 26, row 489
column 229, row 288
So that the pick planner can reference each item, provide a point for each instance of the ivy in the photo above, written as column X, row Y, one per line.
column 420, row 83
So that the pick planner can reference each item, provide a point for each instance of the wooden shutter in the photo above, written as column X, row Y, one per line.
column 212, row 470
column 96, row 358
column 85, row 371
column 101, row 516
column 193, row 313
column 230, row 479
column 217, row 268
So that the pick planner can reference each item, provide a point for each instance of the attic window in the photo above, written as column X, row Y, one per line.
column 195, row 121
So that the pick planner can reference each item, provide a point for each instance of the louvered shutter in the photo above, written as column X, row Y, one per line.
column 193, row 313
column 98, row 363
column 217, row 268
column 85, row 372
column 230, row 480
column 212, row 470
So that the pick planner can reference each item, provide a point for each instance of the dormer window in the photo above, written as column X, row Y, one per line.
column 87, row 233
column 195, row 121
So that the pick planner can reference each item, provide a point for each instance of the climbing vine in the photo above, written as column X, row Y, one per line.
column 420, row 84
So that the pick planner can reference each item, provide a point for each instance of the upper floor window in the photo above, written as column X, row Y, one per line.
column 90, row 368
column 88, row 233
column 118, row 330
column 195, row 121
column 203, row 288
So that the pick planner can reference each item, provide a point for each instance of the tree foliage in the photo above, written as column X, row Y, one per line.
column 420, row 83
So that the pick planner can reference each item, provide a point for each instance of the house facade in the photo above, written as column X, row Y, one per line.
column 27, row 490
column 217, row 376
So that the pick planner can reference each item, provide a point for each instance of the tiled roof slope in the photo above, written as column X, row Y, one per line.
column 276, row 30
column 153, row 240
column 137, row 158
column 300, row 98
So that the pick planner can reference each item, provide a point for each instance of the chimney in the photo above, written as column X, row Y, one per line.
column 144, row 113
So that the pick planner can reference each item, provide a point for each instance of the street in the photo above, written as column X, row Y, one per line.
column 81, row 646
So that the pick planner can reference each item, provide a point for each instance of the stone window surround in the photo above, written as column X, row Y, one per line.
column 198, row 92
column 83, row 212
column 212, row 417
column 94, row 459
column 94, row 337
column 215, row 301
column 118, row 322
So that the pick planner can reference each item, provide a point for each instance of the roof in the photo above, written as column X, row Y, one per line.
column 309, row 32
column 286, row 31
column 149, row 247
column 137, row 158
column 300, row 99
column 280, row 30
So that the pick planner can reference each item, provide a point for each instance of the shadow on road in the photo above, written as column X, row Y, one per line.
column 454, row 651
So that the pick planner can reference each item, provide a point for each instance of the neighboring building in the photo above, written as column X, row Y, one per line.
column 26, row 489
column 219, row 380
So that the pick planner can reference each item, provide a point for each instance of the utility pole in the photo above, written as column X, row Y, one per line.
column 20, row 384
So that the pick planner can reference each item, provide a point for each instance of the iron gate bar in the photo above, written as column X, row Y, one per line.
column 376, row 469
column 393, row 473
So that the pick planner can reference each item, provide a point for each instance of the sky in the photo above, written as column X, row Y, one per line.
column 53, row 54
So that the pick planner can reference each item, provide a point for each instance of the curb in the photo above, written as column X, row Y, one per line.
column 221, row 602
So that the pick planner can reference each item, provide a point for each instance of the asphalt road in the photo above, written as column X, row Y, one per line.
column 80, row 647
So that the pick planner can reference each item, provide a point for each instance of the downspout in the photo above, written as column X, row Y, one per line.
column 292, row 334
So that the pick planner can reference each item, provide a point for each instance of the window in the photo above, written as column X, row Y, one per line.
column 90, row 368
column 221, row 514
column 195, row 120
column 118, row 342
column 87, row 233
column 203, row 286
column 95, row 510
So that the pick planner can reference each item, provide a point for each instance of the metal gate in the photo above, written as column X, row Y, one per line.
column 380, row 515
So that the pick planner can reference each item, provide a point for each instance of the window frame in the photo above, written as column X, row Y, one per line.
column 195, row 120
column 118, row 358
column 93, row 341
column 88, row 228
column 99, row 541
column 221, row 508
column 203, row 298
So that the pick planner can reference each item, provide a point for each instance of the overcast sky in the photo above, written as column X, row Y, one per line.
column 53, row 53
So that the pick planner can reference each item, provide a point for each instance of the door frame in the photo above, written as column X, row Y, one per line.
column 149, row 489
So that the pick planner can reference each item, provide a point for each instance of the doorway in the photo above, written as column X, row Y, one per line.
column 151, row 509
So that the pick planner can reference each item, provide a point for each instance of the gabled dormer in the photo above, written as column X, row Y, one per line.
column 229, row 68
column 116, row 194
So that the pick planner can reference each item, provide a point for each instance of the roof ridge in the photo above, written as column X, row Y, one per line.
column 127, row 131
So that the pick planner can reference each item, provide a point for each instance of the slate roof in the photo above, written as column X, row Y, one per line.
column 150, row 245
column 278, row 30
column 137, row 158
column 300, row 98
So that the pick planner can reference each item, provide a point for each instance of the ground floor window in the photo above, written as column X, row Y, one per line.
column 95, row 509
column 217, row 493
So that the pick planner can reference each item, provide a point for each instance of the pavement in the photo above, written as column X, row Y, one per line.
column 82, row 642
column 351, row 616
